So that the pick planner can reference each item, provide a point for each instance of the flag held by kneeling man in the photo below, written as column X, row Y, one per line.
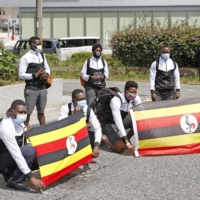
column 167, row 127
column 61, row 147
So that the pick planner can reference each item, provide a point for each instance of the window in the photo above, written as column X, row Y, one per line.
column 90, row 42
column 62, row 44
column 47, row 44
column 20, row 44
column 75, row 43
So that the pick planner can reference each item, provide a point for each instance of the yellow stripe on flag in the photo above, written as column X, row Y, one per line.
column 62, row 164
column 171, row 141
column 165, row 112
column 58, row 133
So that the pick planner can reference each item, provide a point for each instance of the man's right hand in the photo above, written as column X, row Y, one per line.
column 130, row 147
column 40, row 72
column 37, row 183
column 76, row 109
column 153, row 97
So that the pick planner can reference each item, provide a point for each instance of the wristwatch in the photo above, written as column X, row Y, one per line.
column 97, row 144
column 152, row 91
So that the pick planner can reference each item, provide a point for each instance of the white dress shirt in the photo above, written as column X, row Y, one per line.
column 8, row 131
column 92, row 119
column 164, row 65
column 31, row 57
column 116, row 106
column 95, row 64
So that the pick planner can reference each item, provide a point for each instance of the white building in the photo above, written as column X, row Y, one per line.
column 68, row 18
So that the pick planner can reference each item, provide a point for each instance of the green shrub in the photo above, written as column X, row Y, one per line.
column 140, row 47
column 81, row 56
column 8, row 65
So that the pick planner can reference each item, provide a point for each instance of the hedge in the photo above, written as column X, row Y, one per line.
column 140, row 47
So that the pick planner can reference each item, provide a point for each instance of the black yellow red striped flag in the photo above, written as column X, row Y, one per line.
column 61, row 147
column 167, row 127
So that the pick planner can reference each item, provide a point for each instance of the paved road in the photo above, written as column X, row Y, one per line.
column 187, row 90
column 122, row 176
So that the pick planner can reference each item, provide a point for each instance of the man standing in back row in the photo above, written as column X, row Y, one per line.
column 164, row 77
column 34, row 69
column 94, row 72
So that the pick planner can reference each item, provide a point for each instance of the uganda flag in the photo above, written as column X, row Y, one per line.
column 167, row 127
column 61, row 146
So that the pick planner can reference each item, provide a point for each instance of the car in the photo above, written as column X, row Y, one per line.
column 49, row 45
column 70, row 45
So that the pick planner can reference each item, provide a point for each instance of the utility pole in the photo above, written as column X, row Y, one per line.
column 39, row 18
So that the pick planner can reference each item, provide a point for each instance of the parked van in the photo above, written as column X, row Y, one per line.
column 70, row 45
column 49, row 45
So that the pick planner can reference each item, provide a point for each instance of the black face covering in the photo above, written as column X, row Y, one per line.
column 97, row 54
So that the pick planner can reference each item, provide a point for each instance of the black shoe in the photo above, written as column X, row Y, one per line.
column 5, row 174
column 17, row 186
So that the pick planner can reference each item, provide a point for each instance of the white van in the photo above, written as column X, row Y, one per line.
column 70, row 45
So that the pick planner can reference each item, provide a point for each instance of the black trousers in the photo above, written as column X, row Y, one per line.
column 109, row 131
column 6, row 161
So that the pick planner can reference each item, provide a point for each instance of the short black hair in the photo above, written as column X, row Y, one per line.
column 17, row 102
column 76, row 91
column 95, row 46
column 165, row 46
column 130, row 84
column 32, row 39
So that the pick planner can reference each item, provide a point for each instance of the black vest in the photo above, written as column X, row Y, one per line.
column 3, row 147
column 35, row 83
column 164, row 83
column 91, row 71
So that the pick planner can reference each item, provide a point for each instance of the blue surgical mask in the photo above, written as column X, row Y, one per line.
column 38, row 48
column 20, row 118
column 81, row 103
column 165, row 56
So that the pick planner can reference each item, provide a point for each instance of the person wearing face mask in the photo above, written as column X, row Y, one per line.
column 35, row 70
column 94, row 72
column 120, row 111
column 16, row 159
column 79, row 103
column 164, row 77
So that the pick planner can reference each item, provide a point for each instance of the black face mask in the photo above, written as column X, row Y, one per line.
column 97, row 54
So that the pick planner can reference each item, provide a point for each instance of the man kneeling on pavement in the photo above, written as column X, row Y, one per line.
column 15, row 159
column 122, row 119
column 79, row 103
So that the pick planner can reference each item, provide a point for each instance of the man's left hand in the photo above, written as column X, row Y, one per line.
column 177, row 95
column 44, row 77
column 29, row 128
column 95, row 152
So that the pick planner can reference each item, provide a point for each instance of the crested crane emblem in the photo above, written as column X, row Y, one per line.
column 189, row 123
column 71, row 145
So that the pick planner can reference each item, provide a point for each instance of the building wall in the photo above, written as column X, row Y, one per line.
column 97, row 3
column 101, row 23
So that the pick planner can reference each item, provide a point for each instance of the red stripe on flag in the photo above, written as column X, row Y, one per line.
column 59, row 144
column 183, row 149
column 55, row 176
column 152, row 123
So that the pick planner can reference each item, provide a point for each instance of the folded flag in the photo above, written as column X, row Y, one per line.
column 61, row 146
column 167, row 127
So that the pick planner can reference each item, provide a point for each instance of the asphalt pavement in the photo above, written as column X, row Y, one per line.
column 121, row 176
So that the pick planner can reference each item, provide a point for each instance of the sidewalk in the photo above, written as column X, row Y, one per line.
column 51, row 113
